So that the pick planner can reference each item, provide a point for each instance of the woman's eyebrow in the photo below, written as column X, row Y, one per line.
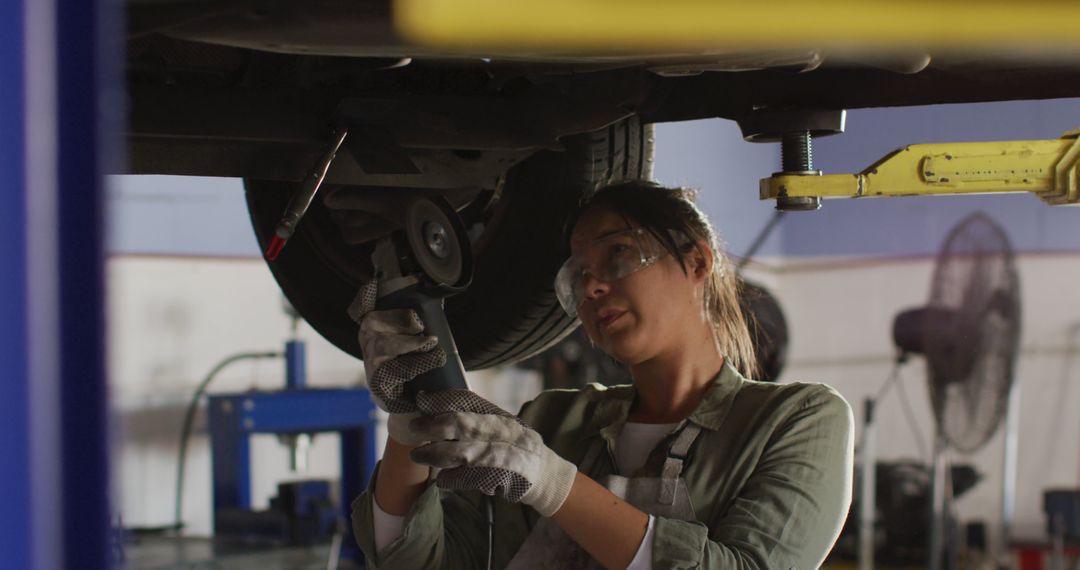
column 602, row 235
column 611, row 233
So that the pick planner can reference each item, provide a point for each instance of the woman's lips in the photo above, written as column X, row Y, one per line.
column 606, row 321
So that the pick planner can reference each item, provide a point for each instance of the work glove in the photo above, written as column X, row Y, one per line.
column 395, row 351
column 494, row 452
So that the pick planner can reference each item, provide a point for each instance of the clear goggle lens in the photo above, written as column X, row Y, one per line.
column 606, row 259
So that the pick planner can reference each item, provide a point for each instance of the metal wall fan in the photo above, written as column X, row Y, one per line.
column 968, row 333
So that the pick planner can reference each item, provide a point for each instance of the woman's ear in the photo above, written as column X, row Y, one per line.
column 700, row 261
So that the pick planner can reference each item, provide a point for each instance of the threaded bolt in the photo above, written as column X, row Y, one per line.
column 797, row 157
column 796, row 153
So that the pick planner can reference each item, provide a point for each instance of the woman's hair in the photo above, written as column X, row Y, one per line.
column 670, row 212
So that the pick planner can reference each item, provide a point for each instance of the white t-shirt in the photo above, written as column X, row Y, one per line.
column 632, row 449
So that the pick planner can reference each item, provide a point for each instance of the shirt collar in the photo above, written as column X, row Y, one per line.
column 716, row 403
column 613, row 409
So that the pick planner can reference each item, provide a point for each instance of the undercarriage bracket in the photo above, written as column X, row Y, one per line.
column 1047, row 168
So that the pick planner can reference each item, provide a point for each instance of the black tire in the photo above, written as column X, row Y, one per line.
column 768, row 329
column 510, row 311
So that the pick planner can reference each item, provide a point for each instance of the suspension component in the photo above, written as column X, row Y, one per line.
column 427, row 260
column 795, row 130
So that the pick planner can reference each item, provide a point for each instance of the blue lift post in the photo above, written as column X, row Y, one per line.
column 89, row 98
column 17, row 528
column 53, row 411
column 234, row 418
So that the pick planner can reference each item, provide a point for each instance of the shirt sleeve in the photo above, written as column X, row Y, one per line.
column 449, row 530
column 790, row 511
column 387, row 527
column 643, row 558
column 427, row 539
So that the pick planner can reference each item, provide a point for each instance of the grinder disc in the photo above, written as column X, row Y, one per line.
column 438, row 241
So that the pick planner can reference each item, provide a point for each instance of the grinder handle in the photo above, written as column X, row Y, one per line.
column 451, row 376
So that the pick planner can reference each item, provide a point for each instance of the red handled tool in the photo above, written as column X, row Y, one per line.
column 301, row 200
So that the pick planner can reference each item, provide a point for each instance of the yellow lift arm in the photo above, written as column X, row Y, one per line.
column 1048, row 168
column 653, row 26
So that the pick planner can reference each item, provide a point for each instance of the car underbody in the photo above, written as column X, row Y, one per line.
column 514, row 140
column 252, row 89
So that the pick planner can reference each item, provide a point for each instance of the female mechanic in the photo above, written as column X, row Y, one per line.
column 694, row 465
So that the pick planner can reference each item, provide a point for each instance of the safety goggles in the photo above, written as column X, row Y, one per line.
column 606, row 259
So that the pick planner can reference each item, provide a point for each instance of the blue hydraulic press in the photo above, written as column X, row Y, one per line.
column 302, row 513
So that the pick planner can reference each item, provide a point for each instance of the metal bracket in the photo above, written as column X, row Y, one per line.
column 795, row 130
column 1048, row 168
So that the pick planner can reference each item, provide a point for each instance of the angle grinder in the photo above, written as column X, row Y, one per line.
column 418, row 267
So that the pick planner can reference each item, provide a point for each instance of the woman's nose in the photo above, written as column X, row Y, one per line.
column 593, row 287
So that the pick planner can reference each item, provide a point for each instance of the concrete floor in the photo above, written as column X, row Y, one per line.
column 173, row 553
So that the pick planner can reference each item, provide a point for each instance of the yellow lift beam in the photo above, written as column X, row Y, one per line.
column 1048, row 168
column 636, row 26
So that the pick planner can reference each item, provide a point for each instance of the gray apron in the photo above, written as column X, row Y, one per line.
column 548, row 547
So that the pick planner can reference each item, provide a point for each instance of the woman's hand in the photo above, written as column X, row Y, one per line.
column 494, row 453
column 395, row 351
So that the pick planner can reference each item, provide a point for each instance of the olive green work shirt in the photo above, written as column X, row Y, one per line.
column 769, row 478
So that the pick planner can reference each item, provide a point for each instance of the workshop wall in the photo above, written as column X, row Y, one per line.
column 711, row 157
column 178, row 215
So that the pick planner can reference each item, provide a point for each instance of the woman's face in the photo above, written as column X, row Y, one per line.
column 639, row 317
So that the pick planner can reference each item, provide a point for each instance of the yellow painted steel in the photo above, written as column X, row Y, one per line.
column 1048, row 168
column 669, row 26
